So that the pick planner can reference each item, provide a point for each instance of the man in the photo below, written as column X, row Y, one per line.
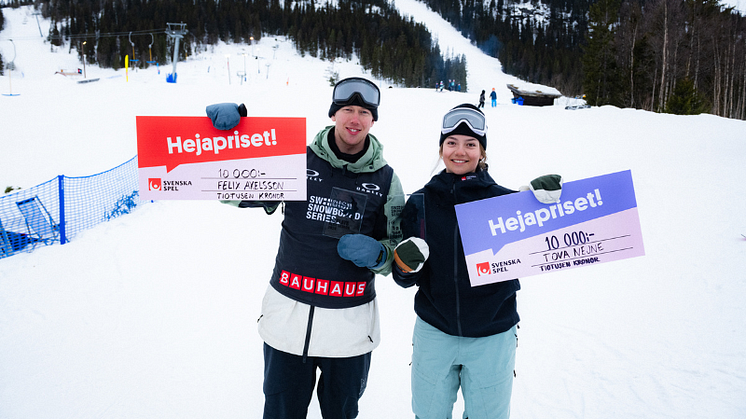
column 320, row 310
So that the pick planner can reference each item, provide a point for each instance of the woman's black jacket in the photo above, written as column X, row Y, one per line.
column 446, row 299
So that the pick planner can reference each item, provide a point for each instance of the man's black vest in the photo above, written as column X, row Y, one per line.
column 308, row 268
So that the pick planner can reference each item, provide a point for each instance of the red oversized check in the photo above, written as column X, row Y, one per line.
column 261, row 159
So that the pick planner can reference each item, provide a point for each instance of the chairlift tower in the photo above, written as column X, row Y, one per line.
column 37, row 22
column 242, row 74
column 11, row 66
column 175, row 31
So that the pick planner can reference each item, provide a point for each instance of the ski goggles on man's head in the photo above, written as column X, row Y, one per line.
column 473, row 118
column 346, row 89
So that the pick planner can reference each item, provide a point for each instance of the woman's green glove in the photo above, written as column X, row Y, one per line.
column 410, row 255
column 547, row 189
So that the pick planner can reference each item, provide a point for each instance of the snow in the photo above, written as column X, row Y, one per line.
column 153, row 315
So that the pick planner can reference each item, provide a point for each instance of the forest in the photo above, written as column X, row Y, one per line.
column 389, row 46
column 677, row 56
column 682, row 57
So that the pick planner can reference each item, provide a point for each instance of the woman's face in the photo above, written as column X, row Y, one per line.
column 461, row 154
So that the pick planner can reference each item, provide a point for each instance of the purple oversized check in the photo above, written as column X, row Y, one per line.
column 514, row 236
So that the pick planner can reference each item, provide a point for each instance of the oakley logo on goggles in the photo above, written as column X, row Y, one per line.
column 475, row 120
column 347, row 88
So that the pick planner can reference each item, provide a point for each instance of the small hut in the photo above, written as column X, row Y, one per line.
column 533, row 96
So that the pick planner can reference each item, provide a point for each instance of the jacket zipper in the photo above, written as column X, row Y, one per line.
column 455, row 267
column 308, row 333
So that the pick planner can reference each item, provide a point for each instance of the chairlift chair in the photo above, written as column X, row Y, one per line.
column 150, row 49
column 133, row 59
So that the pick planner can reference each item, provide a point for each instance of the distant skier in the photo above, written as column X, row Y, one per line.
column 481, row 100
column 493, row 96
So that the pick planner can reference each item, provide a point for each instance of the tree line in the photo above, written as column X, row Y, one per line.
column 679, row 56
column 2, row 24
column 391, row 47
column 676, row 56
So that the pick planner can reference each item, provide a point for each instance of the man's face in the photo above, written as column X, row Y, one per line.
column 352, row 124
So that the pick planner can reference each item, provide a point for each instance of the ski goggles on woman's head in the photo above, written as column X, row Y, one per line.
column 473, row 118
column 347, row 88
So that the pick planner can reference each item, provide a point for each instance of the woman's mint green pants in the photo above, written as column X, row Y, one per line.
column 482, row 367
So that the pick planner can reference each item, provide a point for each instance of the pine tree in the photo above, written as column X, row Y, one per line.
column 2, row 23
column 599, row 61
column 685, row 99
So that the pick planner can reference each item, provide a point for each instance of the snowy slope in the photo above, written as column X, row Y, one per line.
column 484, row 72
column 153, row 315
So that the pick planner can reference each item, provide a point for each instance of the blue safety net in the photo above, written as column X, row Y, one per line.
column 54, row 212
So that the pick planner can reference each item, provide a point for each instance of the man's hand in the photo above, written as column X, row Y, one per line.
column 363, row 251
column 225, row 116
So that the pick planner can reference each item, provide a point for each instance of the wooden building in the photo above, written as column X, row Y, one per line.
column 533, row 97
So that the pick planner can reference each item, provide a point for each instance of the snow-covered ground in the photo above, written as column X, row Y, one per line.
column 153, row 315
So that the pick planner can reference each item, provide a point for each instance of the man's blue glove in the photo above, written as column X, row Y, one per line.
column 547, row 189
column 225, row 116
column 363, row 251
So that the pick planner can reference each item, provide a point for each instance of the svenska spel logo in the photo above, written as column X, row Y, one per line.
column 483, row 268
column 154, row 184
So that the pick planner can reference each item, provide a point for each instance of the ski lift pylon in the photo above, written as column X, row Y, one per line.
column 11, row 66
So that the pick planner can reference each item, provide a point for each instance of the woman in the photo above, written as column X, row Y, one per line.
column 464, row 336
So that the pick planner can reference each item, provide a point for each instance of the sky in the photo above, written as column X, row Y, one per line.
column 739, row 5
column 153, row 314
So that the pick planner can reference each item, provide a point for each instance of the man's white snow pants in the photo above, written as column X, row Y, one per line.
column 482, row 367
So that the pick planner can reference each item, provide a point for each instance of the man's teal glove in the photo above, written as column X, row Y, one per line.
column 225, row 116
column 410, row 255
column 547, row 189
column 363, row 251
